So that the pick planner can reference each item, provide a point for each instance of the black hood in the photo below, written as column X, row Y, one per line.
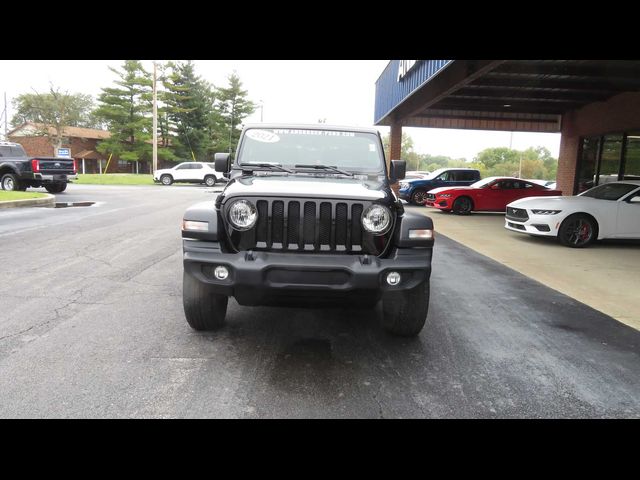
column 300, row 186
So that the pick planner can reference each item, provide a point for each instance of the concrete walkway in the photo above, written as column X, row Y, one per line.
column 46, row 201
column 605, row 276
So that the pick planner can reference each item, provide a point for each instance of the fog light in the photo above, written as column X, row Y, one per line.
column 393, row 278
column 221, row 272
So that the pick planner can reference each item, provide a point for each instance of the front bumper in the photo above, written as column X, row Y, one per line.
column 56, row 177
column 405, row 194
column 543, row 225
column 263, row 278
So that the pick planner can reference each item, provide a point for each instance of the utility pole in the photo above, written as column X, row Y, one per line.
column 231, row 129
column 520, row 168
column 155, row 120
column 4, row 115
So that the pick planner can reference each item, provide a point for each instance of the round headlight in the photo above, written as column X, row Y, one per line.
column 376, row 219
column 243, row 214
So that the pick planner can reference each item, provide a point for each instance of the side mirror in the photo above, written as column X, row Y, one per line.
column 635, row 199
column 222, row 162
column 398, row 170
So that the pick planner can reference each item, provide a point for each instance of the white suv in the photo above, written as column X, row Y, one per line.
column 188, row 172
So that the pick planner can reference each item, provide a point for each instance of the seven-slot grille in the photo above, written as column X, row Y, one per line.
column 519, row 214
column 304, row 225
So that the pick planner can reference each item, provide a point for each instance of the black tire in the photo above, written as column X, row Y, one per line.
column 419, row 197
column 462, row 206
column 10, row 183
column 578, row 231
column 210, row 180
column 57, row 187
column 203, row 309
column 166, row 179
column 404, row 313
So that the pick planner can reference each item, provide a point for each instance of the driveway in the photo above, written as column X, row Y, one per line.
column 605, row 276
column 92, row 326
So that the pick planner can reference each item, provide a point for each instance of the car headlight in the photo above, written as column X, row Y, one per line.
column 404, row 185
column 545, row 212
column 376, row 219
column 243, row 214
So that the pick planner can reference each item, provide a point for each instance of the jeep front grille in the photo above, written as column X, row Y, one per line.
column 332, row 226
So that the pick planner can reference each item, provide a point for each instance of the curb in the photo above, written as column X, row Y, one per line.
column 48, row 201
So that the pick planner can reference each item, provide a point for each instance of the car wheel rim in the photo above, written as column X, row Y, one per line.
column 419, row 198
column 210, row 182
column 579, row 232
column 8, row 184
column 165, row 180
column 464, row 205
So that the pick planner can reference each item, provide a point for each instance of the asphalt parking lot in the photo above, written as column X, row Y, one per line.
column 91, row 326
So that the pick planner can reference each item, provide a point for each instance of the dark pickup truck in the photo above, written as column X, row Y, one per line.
column 19, row 171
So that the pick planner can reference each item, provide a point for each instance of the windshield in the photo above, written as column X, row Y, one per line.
column 483, row 183
column 609, row 191
column 350, row 151
column 435, row 173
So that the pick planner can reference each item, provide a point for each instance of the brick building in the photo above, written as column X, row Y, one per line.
column 593, row 104
column 83, row 144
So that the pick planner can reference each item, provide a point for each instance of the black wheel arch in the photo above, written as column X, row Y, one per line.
column 591, row 217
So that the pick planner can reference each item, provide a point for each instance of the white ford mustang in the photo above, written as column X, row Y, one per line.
column 610, row 210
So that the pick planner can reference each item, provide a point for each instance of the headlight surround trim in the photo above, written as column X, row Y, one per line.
column 377, row 214
column 235, row 216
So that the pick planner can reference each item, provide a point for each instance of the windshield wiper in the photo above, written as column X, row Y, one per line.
column 272, row 166
column 326, row 167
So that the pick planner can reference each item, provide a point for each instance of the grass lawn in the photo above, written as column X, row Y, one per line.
column 114, row 179
column 6, row 196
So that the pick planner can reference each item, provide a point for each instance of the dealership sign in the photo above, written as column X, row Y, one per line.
column 405, row 67
column 63, row 152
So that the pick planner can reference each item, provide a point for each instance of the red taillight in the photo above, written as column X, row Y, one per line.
column 75, row 166
column 35, row 166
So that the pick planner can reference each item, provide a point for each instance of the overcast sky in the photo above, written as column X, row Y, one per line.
column 340, row 91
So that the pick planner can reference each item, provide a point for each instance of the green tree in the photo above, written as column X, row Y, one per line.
column 233, row 106
column 492, row 157
column 407, row 152
column 534, row 162
column 54, row 111
column 189, row 104
column 126, row 110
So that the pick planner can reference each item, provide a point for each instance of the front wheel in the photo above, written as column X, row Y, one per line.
column 210, row 180
column 203, row 309
column 419, row 197
column 166, row 179
column 578, row 231
column 58, row 187
column 404, row 313
column 462, row 206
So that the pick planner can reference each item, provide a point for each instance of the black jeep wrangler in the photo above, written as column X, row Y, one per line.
column 308, row 218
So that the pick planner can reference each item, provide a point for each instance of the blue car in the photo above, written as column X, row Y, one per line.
column 415, row 191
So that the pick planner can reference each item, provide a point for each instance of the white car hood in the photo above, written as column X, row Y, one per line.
column 552, row 203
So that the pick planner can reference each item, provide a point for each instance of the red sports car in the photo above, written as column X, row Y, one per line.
column 489, row 194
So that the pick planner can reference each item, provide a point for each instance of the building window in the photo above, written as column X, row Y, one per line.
column 608, row 158
column 632, row 157
column 588, row 163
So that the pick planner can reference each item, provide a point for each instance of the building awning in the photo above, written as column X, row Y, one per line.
column 529, row 95
column 88, row 155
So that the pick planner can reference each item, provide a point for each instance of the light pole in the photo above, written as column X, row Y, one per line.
column 230, row 131
column 261, row 107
